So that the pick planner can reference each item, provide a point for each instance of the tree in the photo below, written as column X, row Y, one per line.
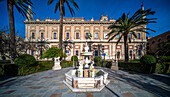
column 125, row 25
column 60, row 5
column 5, row 46
column 53, row 53
column 163, row 49
column 22, row 7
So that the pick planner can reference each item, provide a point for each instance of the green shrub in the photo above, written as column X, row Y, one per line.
column 98, row 61
column 65, row 64
column 165, row 59
column 75, row 58
column 148, row 59
column 132, row 66
column 107, row 64
column 44, row 65
column 148, row 63
column 160, row 68
column 25, row 60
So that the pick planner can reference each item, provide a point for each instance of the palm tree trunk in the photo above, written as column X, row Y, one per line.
column 126, row 49
column 12, row 30
column 61, row 25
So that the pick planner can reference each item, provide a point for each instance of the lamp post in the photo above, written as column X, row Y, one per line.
column 73, row 53
column 72, row 47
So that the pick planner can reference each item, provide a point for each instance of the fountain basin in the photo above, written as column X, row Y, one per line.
column 86, row 84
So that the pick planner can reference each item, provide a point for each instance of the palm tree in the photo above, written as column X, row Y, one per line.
column 125, row 25
column 22, row 7
column 60, row 5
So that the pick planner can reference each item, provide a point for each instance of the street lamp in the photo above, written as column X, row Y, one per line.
column 72, row 47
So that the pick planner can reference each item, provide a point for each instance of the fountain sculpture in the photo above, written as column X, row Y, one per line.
column 86, row 78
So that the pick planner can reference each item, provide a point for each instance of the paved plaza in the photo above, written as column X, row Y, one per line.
column 122, row 84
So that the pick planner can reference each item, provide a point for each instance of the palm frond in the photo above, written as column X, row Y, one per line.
column 57, row 6
column 119, row 40
column 49, row 2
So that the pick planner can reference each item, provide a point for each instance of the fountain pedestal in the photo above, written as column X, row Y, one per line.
column 86, row 78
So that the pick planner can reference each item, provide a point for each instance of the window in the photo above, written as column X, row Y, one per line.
column 130, row 52
column 33, row 35
column 130, row 35
column 153, row 41
column 55, row 35
column 32, row 52
column 96, row 36
column 118, row 35
column 118, row 55
column 139, row 52
column 67, row 52
column 67, row 35
column 87, row 35
column 159, row 40
column 77, row 35
column 138, row 36
column 105, row 35
column 168, row 37
column 96, row 53
column 42, row 35
column 77, row 52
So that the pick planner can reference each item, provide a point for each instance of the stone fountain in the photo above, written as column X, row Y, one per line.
column 86, row 78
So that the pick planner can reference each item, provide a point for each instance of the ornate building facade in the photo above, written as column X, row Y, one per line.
column 45, row 33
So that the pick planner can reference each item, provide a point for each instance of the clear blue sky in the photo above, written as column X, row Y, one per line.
column 94, row 8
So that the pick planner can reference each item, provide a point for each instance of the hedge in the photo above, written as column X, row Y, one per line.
column 65, row 64
column 12, row 69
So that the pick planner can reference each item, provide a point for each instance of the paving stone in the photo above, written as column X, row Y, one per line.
column 50, row 83
column 140, row 94
column 89, row 95
column 81, row 95
column 128, row 94
column 69, row 95
column 56, row 95
column 9, row 92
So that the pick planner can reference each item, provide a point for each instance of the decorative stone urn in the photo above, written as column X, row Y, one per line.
column 115, row 64
column 57, row 64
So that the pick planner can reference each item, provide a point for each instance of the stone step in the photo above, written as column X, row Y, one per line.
column 88, row 82
column 86, row 85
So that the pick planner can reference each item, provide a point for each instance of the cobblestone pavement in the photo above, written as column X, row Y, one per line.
column 122, row 84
